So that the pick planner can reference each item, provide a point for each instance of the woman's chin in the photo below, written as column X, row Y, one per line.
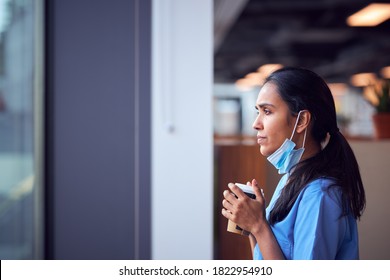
column 263, row 151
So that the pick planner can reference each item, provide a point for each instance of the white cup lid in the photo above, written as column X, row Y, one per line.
column 245, row 188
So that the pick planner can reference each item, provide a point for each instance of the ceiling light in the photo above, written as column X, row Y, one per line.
column 267, row 69
column 256, row 78
column 371, row 15
column 385, row 72
column 363, row 79
column 338, row 89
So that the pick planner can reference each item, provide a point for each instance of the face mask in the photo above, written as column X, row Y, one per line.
column 286, row 157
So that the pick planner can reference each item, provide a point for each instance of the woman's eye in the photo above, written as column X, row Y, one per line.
column 267, row 112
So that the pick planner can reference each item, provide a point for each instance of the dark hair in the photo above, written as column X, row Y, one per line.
column 303, row 89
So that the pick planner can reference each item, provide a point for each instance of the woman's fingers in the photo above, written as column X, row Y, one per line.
column 228, row 206
column 229, row 196
column 236, row 190
column 227, row 203
column 227, row 214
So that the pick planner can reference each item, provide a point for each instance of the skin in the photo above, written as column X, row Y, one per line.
column 274, row 124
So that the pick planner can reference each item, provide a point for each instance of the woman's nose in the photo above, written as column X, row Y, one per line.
column 257, row 124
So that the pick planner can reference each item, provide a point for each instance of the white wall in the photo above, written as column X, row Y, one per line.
column 182, row 139
column 374, row 227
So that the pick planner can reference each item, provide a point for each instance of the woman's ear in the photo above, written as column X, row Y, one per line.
column 304, row 121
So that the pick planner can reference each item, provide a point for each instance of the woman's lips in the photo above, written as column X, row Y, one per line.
column 260, row 140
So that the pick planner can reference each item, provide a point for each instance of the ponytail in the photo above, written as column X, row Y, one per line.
column 349, row 178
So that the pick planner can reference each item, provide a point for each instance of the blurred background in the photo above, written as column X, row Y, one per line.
column 122, row 121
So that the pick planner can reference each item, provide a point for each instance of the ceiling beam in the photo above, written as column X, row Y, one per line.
column 226, row 13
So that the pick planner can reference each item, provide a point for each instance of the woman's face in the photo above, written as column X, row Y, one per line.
column 274, row 122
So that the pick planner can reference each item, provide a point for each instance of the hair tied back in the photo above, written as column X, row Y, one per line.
column 334, row 131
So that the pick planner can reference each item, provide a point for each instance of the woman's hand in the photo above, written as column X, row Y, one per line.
column 248, row 213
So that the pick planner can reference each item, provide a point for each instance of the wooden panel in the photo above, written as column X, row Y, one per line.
column 237, row 164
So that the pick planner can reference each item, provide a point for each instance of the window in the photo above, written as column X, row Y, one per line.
column 21, row 132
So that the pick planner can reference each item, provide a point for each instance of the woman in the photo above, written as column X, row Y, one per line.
column 313, row 212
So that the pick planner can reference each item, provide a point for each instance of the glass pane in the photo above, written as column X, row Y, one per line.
column 18, row 168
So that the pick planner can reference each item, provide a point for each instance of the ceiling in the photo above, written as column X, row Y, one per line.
column 304, row 33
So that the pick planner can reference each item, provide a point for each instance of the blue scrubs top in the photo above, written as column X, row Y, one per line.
column 315, row 227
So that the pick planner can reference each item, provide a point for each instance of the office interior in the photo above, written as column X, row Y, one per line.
column 122, row 121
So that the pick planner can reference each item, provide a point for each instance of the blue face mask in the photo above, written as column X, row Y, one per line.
column 286, row 157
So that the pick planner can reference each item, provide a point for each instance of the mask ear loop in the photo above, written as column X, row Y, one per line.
column 304, row 138
column 295, row 126
column 325, row 142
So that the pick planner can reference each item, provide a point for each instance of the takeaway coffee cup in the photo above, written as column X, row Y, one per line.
column 233, row 227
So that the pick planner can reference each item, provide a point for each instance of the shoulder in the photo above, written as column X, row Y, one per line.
column 321, row 185
column 324, row 189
